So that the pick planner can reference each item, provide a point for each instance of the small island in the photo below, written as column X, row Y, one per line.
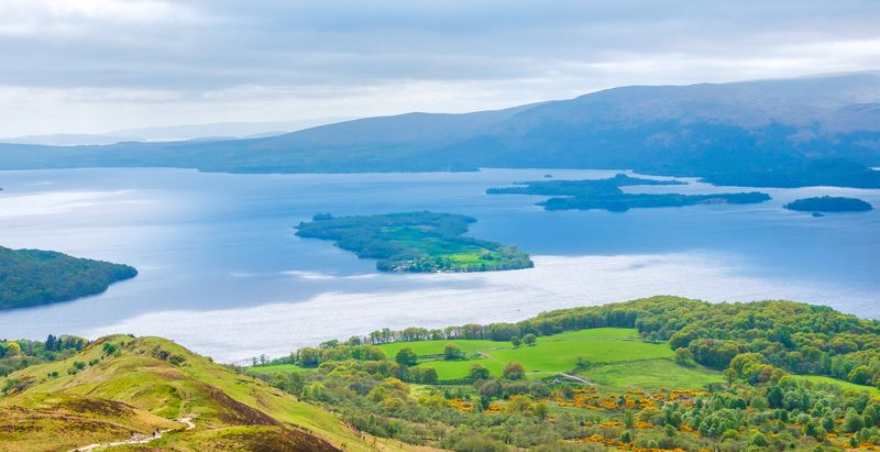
column 36, row 277
column 829, row 204
column 415, row 242
column 606, row 194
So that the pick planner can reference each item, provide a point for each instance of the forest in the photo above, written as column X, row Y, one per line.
column 417, row 242
column 36, row 277
column 606, row 194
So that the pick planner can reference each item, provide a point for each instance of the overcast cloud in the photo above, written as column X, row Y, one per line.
column 98, row 65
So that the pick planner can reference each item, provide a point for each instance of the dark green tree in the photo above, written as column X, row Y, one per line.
column 406, row 357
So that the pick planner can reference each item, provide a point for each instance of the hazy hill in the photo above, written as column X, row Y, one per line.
column 202, row 132
column 122, row 386
column 805, row 131
column 69, row 139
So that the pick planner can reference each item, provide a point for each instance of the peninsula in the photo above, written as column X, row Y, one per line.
column 415, row 242
column 36, row 277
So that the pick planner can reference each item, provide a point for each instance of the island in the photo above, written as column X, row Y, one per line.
column 36, row 277
column 829, row 204
column 416, row 242
column 606, row 194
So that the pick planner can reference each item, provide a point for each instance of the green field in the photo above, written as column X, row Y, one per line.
column 275, row 369
column 651, row 374
column 618, row 357
column 845, row 385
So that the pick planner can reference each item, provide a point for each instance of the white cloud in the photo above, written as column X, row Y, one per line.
column 95, row 65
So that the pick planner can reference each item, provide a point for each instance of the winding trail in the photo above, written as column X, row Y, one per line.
column 138, row 438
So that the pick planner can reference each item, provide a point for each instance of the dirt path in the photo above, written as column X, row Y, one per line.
column 575, row 378
column 137, row 438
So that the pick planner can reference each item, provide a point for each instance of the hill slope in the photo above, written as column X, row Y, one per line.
column 122, row 386
column 795, row 132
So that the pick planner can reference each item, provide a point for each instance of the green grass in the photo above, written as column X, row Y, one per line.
column 845, row 385
column 560, row 353
column 276, row 369
column 158, row 392
column 652, row 374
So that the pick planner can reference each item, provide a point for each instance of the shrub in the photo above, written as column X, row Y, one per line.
column 452, row 352
column 478, row 373
column 514, row 371
column 406, row 357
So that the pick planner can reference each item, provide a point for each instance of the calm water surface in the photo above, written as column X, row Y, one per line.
column 222, row 272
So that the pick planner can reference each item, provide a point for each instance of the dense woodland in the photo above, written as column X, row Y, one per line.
column 829, row 204
column 35, row 277
column 415, row 242
column 606, row 194
column 763, row 405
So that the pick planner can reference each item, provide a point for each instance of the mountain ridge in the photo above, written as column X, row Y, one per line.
column 764, row 133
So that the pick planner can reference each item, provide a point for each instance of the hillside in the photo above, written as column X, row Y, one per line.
column 35, row 277
column 654, row 373
column 122, row 387
column 760, row 133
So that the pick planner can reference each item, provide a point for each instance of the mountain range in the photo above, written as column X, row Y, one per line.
column 822, row 130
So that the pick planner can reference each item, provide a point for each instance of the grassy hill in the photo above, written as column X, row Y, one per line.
column 122, row 386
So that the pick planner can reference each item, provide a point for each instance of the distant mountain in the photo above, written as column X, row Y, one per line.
column 791, row 132
column 190, row 132
column 70, row 139
column 223, row 130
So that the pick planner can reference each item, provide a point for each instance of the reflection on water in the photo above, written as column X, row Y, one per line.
column 222, row 272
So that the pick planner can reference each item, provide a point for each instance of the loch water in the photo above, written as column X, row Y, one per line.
column 222, row 272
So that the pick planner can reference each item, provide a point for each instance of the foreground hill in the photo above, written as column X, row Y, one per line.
column 795, row 132
column 656, row 373
column 121, row 389
column 35, row 277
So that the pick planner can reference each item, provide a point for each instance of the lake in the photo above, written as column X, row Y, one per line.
column 222, row 272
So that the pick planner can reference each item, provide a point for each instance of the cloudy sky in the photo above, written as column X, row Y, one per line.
column 99, row 65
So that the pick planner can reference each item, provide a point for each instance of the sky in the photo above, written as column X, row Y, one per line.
column 92, row 66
